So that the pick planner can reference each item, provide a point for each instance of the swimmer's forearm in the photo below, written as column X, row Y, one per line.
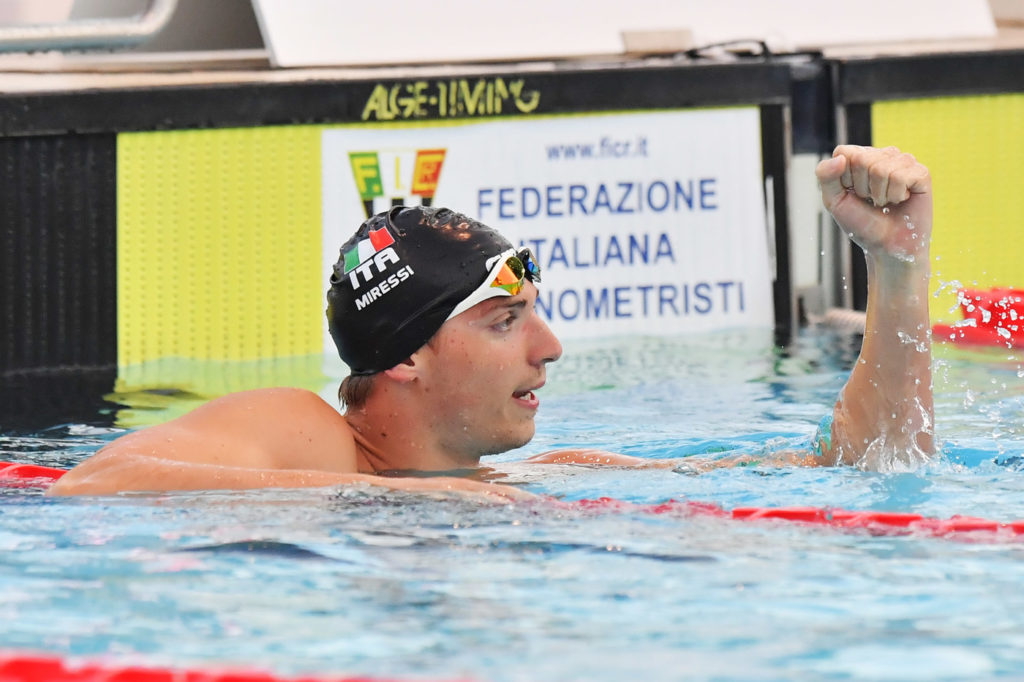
column 593, row 456
column 885, row 410
column 695, row 464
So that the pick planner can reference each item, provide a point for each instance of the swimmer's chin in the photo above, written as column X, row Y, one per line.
column 512, row 442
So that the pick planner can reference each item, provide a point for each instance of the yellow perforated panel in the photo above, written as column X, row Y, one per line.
column 218, row 244
column 973, row 147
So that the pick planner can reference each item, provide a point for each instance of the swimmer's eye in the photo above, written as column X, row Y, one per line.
column 506, row 322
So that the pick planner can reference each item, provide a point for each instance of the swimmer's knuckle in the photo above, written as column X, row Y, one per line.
column 879, row 169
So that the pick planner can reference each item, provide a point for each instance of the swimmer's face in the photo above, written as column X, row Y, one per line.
column 486, row 366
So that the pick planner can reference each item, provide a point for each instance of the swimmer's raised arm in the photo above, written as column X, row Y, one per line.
column 882, row 199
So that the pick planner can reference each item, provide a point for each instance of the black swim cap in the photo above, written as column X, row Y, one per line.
column 400, row 277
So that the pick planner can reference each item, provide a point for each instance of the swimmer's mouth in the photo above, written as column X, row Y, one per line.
column 526, row 394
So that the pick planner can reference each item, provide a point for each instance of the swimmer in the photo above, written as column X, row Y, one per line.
column 434, row 314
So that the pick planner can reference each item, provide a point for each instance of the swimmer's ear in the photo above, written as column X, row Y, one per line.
column 405, row 371
column 413, row 367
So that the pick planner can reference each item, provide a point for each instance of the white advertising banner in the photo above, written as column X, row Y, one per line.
column 643, row 223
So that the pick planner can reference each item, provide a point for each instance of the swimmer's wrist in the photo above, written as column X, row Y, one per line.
column 821, row 445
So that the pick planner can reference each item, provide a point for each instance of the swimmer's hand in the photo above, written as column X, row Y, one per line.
column 882, row 199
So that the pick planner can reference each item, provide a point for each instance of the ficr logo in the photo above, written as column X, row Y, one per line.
column 389, row 178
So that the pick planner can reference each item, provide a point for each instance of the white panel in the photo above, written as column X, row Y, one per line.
column 331, row 32
column 643, row 223
column 805, row 209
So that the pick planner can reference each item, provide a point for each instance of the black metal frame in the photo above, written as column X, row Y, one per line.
column 859, row 82
column 227, row 105
column 58, row 290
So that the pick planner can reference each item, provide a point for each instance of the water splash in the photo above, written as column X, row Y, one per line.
column 920, row 345
column 896, row 447
column 954, row 286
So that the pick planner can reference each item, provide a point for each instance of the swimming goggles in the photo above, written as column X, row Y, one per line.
column 507, row 273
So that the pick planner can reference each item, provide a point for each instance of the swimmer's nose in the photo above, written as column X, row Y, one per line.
column 546, row 346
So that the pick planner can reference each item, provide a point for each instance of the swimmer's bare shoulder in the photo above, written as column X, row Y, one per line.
column 266, row 438
column 261, row 438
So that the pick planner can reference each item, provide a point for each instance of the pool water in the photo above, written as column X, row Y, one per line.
column 360, row 581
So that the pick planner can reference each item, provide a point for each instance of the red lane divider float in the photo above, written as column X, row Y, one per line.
column 31, row 475
column 27, row 668
column 878, row 523
column 28, row 475
column 992, row 317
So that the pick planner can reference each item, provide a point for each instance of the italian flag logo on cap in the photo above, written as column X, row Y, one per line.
column 378, row 240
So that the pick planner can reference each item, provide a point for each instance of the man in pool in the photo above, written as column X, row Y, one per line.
column 434, row 315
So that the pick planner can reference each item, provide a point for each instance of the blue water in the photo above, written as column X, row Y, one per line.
column 363, row 582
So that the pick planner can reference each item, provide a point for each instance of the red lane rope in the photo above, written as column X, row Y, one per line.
column 16, row 667
column 879, row 523
column 28, row 476
column 992, row 317
column 979, row 336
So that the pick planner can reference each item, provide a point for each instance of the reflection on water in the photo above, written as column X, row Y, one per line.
column 32, row 401
column 700, row 394
column 979, row 401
